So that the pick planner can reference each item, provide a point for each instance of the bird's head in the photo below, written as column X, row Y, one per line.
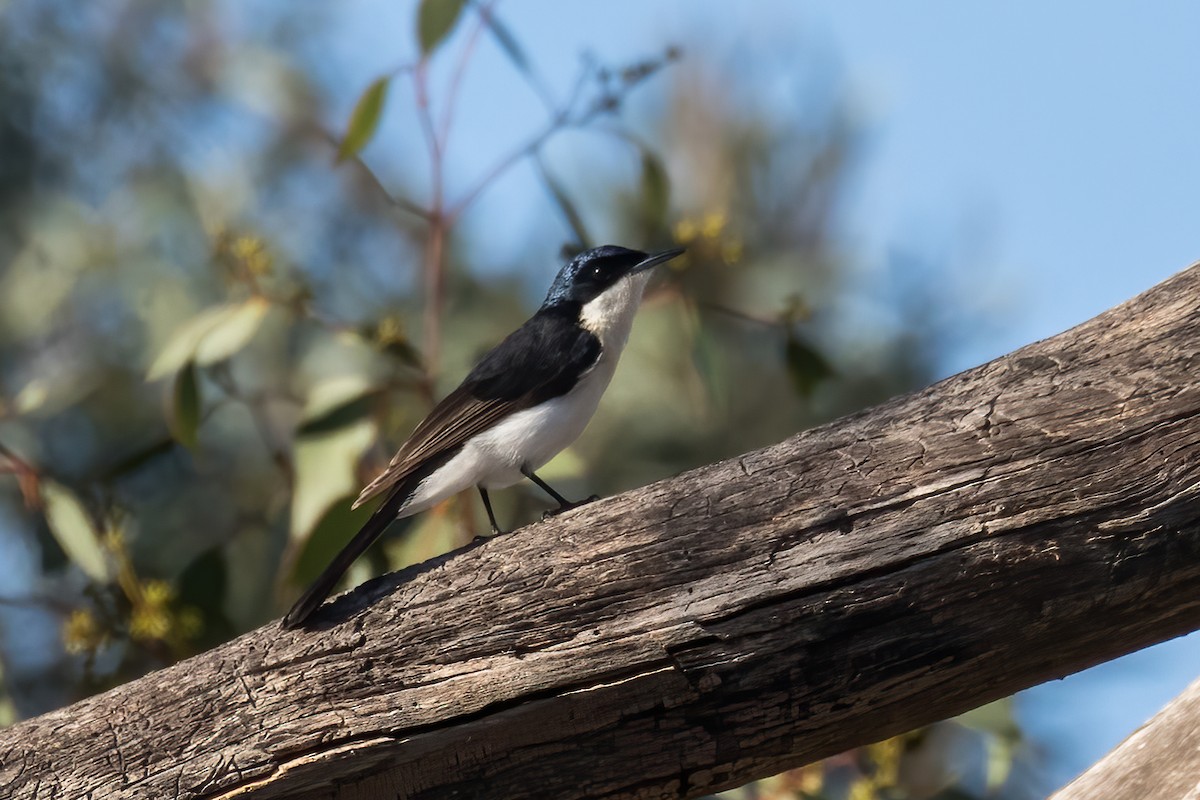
column 607, row 270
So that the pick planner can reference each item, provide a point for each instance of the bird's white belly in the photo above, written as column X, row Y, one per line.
column 530, row 437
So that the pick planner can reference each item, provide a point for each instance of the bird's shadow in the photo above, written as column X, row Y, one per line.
column 349, row 605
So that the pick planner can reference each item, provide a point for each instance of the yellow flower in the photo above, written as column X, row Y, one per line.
column 731, row 250
column 252, row 253
column 390, row 331
column 81, row 632
column 149, row 622
column 713, row 224
column 157, row 593
column 685, row 231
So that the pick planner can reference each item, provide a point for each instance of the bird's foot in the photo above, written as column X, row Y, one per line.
column 483, row 537
column 554, row 512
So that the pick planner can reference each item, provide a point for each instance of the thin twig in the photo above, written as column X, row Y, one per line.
column 460, row 69
column 743, row 316
column 17, row 462
column 434, row 268
column 488, row 14
column 561, row 120
column 400, row 203
column 222, row 377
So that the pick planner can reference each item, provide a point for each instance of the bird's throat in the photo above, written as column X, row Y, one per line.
column 609, row 315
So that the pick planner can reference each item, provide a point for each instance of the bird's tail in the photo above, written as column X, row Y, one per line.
column 404, row 488
column 327, row 580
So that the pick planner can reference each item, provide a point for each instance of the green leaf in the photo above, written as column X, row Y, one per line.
column 138, row 458
column 181, row 346
column 232, row 332
column 1002, row 738
column 404, row 352
column 184, row 417
column 8, row 711
column 212, row 335
column 710, row 367
column 337, row 402
column 566, row 206
column 203, row 586
column 74, row 531
column 435, row 20
column 1001, row 756
column 656, row 191
column 326, row 470
column 364, row 119
column 329, row 535
column 806, row 367
column 32, row 396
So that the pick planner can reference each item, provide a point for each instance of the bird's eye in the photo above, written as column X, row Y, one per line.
column 596, row 271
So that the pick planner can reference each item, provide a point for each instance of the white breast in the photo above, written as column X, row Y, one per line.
column 531, row 437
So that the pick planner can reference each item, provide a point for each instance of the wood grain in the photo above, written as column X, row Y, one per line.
column 1011, row 524
column 1160, row 761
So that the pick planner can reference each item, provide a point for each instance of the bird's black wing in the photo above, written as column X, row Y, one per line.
column 542, row 359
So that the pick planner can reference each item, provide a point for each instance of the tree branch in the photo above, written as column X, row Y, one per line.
column 1009, row 525
column 1160, row 760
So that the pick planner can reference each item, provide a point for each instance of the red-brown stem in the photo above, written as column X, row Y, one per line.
column 460, row 69
column 434, row 269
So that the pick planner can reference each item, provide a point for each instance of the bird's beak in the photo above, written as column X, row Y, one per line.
column 655, row 259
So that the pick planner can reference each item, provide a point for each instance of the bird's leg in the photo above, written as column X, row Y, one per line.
column 487, row 504
column 563, row 503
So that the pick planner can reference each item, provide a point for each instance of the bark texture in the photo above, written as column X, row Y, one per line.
column 1011, row 524
column 1160, row 761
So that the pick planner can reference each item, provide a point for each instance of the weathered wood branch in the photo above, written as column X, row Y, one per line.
column 1160, row 761
column 1011, row 524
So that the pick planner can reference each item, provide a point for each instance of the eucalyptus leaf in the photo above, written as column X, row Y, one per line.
column 184, row 418
column 140, row 457
column 8, row 710
column 435, row 20
column 656, row 191
column 74, row 531
column 567, row 207
column 329, row 535
column 203, row 586
column 364, row 120
column 181, row 346
column 336, row 402
column 232, row 332
column 806, row 367
column 710, row 367
column 211, row 336
column 326, row 469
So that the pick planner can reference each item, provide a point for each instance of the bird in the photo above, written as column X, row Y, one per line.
column 526, row 399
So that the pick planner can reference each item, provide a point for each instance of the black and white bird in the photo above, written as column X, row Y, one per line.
column 526, row 400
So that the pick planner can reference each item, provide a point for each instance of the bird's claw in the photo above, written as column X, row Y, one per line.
column 554, row 512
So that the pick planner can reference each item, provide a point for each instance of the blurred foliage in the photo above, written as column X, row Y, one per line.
column 216, row 319
column 969, row 757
